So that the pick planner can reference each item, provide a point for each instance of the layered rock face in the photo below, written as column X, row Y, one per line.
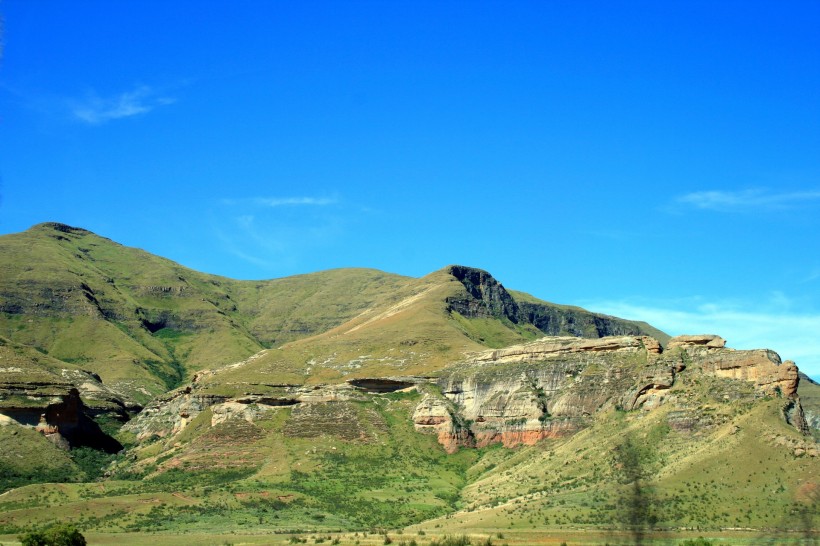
column 763, row 367
column 485, row 297
column 551, row 387
column 173, row 412
column 520, row 394
column 62, row 418
column 61, row 403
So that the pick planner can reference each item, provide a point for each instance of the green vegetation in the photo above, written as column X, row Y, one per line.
column 59, row 535
column 344, row 466
column 700, row 541
column 146, row 324
column 107, row 307
column 461, row 540
column 495, row 333
column 27, row 457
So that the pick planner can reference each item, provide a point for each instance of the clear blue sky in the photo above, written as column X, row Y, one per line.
column 654, row 160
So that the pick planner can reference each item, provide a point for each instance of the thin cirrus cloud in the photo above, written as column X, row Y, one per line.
column 278, row 233
column 747, row 200
column 96, row 110
column 273, row 202
column 294, row 201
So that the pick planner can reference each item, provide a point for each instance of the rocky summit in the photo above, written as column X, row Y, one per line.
column 138, row 395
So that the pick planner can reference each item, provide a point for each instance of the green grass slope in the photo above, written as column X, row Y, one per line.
column 414, row 331
column 349, row 465
column 746, row 471
column 358, row 464
column 144, row 323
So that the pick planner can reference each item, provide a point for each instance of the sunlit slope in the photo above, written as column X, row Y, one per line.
column 137, row 320
column 715, row 457
column 144, row 323
column 423, row 326
column 28, row 376
column 340, row 465
column 282, row 310
column 411, row 334
column 750, row 472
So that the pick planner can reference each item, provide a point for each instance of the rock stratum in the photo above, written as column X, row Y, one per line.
column 549, row 388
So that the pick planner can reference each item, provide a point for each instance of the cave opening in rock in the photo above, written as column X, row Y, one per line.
column 379, row 385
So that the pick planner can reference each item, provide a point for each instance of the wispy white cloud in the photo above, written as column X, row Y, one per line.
column 96, row 110
column 272, row 202
column 230, row 244
column 292, row 201
column 771, row 325
column 747, row 200
column 276, row 233
column 813, row 275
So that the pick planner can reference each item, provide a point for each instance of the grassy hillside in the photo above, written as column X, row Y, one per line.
column 241, row 455
column 414, row 332
column 343, row 467
column 738, row 475
column 144, row 323
column 359, row 465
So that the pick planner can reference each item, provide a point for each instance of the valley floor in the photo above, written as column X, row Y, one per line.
column 535, row 537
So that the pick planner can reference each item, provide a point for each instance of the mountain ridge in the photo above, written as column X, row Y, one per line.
column 165, row 321
column 314, row 402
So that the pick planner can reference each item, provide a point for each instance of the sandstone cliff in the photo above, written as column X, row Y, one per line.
column 58, row 400
column 485, row 297
column 552, row 387
column 548, row 388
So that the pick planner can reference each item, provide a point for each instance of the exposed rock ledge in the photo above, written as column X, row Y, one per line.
column 518, row 395
column 550, row 387
column 705, row 340
column 173, row 412
column 551, row 346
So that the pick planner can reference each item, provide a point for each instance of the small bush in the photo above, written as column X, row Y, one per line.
column 59, row 535
column 700, row 541
column 463, row 540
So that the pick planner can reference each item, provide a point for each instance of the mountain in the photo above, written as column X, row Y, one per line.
column 145, row 324
column 355, row 399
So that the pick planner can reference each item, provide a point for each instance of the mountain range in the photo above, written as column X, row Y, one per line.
column 139, row 396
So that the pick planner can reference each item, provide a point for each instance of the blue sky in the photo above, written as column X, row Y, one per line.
column 653, row 160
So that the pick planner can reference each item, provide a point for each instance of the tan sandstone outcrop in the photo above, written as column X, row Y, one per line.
column 709, row 341
column 550, row 387
column 543, row 389
column 762, row 367
column 522, row 394
column 550, row 346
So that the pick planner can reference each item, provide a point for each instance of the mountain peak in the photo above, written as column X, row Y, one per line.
column 63, row 228
column 486, row 296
